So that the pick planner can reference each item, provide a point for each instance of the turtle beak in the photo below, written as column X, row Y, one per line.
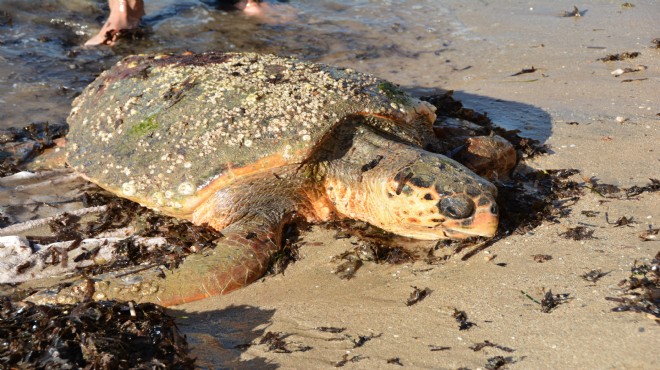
column 482, row 222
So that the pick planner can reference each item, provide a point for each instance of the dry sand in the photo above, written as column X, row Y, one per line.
column 570, row 85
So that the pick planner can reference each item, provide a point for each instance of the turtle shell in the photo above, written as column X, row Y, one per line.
column 168, row 130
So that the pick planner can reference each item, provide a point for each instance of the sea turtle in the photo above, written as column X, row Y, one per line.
column 246, row 143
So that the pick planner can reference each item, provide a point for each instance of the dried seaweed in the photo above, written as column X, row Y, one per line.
column 479, row 346
column 498, row 362
column 609, row 190
column 594, row 275
column 462, row 320
column 652, row 187
column 641, row 290
column 330, row 329
column 345, row 360
column 417, row 295
column 621, row 221
column 540, row 258
column 183, row 238
column 290, row 250
column 578, row 233
column 620, row 56
column 275, row 343
column 362, row 339
column 573, row 13
column 66, row 227
column 395, row 361
column 524, row 211
column 524, row 71
column 375, row 245
column 96, row 335
column 551, row 301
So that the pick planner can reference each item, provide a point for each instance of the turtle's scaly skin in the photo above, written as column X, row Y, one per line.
column 246, row 143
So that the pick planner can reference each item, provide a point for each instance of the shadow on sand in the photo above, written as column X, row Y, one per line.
column 218, row 338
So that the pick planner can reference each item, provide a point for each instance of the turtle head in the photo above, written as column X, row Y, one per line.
column 426, row 196
column 436, row 198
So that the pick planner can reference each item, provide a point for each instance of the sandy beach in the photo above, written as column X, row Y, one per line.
column 592, row 121
column 531, row 69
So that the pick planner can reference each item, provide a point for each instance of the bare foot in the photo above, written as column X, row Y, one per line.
column 124, row 15
column 253, row 8
column 275, row 14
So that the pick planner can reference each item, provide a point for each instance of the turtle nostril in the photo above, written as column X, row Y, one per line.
column 493, row 209
column 456, row 207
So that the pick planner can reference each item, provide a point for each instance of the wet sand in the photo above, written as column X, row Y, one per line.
column 591, row 120
column 570, row 85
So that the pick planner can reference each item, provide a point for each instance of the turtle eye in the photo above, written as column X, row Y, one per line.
column 456, row 207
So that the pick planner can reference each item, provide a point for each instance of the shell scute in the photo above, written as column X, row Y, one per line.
column 175, row 127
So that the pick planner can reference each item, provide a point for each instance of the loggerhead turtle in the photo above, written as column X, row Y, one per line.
column 247, row 143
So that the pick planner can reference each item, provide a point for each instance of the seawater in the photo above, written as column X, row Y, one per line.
column 43, row 65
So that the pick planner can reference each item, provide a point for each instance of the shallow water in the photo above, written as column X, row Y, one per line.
column 43, row 65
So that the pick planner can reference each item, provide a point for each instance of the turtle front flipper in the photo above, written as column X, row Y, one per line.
column 251, row 222
column 239, row 258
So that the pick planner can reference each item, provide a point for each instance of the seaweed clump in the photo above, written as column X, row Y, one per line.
column 641, row 291
column 183, row 238
column 374, row 245
column 91, row 335
column 531, row 198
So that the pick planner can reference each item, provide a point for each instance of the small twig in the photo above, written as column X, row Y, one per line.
column 530, row 297
column 478, row 248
